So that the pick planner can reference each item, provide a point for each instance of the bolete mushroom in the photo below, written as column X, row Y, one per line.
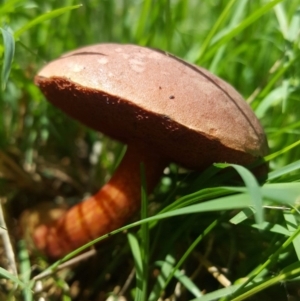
column 164, row 109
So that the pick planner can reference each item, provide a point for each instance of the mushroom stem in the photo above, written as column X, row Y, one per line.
column 105, row 211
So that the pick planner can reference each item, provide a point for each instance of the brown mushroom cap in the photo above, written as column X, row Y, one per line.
column 141, row 95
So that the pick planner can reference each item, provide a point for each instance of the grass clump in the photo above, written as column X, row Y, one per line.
column 202, row 236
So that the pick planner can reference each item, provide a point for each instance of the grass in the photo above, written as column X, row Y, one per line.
column 200, row 230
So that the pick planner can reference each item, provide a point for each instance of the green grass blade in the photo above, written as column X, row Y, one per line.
column 188, row 284
column 284, row 170
column 258, row 13
column 242, row 215
column 275, row 97
column 225, row 13
column 141, row 25
column 138, row 265
column 175, row 269
column 283, row 193
column 9, row 52
column 292, row 225
column 272, row 97
column 166, row 268
column 181, row 277
column 265, row 226
column 11, row 277
column 267, row 264
column 196, row 197
column 235, row 19
column 282, row 19
column 216, row 295
column 241, row 200
column 287, row 273
column 144, row 233
column 9, row 6
column 253, row 189
column 25, row 269
column 293, row 127
column 290, row 271
column 293, row 33
column 275, row 228
column 42, row 18
column 282, row 151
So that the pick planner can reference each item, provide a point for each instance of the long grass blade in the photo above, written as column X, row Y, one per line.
column 284, row 170
column 240, row 27
column 144, row 233
column 166, row 268
column 225, row 13
column 253, row 189
column 9, row 52
column 292, row 224
column 5, row 274
column 40, row 19
column 181, row 277
column 138, row 264
column 25, row 269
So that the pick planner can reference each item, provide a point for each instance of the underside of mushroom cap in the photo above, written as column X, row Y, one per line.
column 141, row 95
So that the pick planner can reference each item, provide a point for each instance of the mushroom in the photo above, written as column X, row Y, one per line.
column 164, row 109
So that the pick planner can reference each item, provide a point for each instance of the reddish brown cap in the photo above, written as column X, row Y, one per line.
column 141, row 95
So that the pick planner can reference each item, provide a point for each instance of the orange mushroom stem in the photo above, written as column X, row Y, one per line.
column 105, row 211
